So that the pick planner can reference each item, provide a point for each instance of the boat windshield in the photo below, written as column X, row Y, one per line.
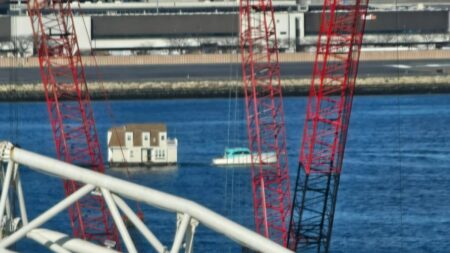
column 236, row 151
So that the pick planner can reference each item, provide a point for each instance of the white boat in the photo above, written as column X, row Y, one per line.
column 242, row 156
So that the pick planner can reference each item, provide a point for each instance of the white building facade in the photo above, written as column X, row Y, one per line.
column 183, row 27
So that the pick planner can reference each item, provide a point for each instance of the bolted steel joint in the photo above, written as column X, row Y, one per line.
column 6, row 148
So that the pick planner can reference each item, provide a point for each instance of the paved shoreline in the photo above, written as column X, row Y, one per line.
column 225, row 58
column 423, row 76
column 222, row 88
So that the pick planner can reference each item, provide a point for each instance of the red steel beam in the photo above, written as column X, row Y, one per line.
column 70, row 111
column 265, row 118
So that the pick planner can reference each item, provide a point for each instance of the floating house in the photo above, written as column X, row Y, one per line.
column 141, row 145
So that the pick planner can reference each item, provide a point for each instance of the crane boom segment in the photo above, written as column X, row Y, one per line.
column 70, row 111
column 265, row 118
column 326, row 124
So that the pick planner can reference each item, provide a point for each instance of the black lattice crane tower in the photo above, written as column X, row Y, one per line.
column 327, row 119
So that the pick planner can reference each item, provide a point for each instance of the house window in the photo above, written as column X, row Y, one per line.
column 145, row 138
column 162, row 137
column 131, row 153
column 129, row 137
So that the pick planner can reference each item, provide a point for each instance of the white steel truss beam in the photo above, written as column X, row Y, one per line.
column 112, row 189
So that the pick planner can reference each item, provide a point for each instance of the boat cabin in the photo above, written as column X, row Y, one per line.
column 141, row 145
column 231, row 152
column 243, row 156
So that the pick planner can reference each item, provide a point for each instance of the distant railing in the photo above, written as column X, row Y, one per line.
column 224, row 58
column 113, row 190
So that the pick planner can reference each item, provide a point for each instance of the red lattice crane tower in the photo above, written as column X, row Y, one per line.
column 327, row 119
column 70, row 111
column 265, row 119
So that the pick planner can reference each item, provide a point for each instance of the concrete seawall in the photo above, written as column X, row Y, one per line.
column 225, row 58
column 221, row 88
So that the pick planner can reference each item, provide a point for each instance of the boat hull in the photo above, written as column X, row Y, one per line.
column 246, row 160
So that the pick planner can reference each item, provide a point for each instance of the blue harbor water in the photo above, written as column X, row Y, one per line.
column 395, row 188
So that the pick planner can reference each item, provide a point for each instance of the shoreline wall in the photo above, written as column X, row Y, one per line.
column 225, row 58
column 222, row 88
column 439, row 83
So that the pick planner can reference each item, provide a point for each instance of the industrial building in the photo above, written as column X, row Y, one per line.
column 177, row 27
column 141, row 145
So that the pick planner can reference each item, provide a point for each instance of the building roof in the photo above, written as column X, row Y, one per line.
column 118, row 134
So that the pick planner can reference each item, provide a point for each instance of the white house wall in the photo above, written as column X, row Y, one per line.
column 129, row 139
column 162, row 139
column 172, row 152
column 134, row 155
column 108, row 139
column 118, row 155
column 124, row 155
column 145, row 139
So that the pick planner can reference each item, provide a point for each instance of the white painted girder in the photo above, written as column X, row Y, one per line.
column 112, row 188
